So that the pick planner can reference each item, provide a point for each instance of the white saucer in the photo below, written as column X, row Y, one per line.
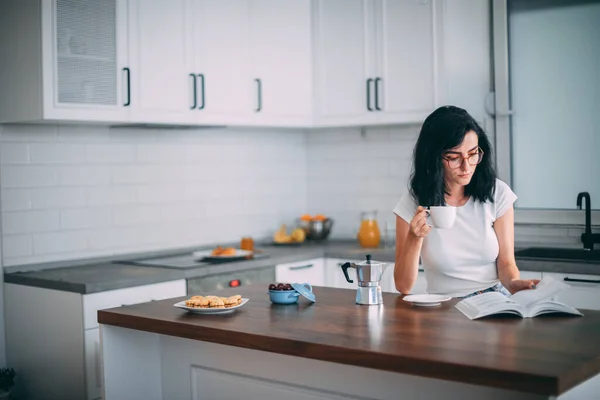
column 426, row 300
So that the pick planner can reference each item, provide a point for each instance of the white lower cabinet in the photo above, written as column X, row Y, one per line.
column 335, row 276
column 584, row 292
column 420, row 286
column 307, row 271
column 93, row 364
column 530, row 275
column 45, row 324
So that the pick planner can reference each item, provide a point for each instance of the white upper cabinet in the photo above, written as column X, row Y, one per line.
column 161, row 68
column 223, row 84
column 302, row 63
column 376, row 61
column 281, row 62
column 342, row 80
column 406, row 79
column 63, row 60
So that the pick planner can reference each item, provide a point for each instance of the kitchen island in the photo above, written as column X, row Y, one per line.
column 335, row 349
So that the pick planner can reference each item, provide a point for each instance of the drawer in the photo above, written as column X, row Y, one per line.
column 584, row 291
column 309, row 271
column 134, row 295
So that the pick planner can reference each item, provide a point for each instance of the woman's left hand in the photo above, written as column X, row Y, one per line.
column 516, row 285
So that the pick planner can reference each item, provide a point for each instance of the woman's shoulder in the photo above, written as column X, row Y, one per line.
column 406, row 206
column 502, row 189
column 504, row 198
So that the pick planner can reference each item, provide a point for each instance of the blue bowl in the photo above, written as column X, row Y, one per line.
column 284, row 296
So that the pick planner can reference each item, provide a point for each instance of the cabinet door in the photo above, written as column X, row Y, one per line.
column 93, row 364
column 281, row 58
column 309, row 271
column 584, row 292
column 405, row 83
column 220, row 41
column 84, row 47
column 342, row 62
column 161, row 62
column 335, row 276
column 127, row 296
column 387, row 279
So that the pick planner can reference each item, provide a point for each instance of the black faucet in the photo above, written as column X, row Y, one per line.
column 587, row 238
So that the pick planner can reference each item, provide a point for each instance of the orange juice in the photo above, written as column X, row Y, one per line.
column 369, row 234
column 247, row 243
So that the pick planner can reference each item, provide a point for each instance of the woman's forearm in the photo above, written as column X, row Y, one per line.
column 407, row 263
column 508, row 272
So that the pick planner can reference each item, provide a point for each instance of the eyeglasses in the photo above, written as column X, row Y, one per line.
column 455, row 161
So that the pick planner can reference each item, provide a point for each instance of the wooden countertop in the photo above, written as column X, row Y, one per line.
column 546, row 355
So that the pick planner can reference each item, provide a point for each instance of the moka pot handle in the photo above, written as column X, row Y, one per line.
column 345, row 267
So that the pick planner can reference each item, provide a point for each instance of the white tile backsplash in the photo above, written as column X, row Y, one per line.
column 14, row 153
column 71, row 191
column 30, row 221
column 62, row 153
column 351, row 171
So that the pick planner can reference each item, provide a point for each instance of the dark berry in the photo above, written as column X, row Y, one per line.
column 288, row 287
column 272, row 286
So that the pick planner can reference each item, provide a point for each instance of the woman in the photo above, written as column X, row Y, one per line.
column 453, row 166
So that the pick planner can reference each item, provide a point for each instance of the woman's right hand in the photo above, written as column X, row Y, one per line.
column 418, row 225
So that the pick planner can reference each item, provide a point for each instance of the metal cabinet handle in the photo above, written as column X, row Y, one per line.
column 302, row 267
column 369, row 81
column 98, row 365
column 202, row 96
column 194, row 91
column 128, row 74
column 377, row 80
column 567, row 279
column 259, row 94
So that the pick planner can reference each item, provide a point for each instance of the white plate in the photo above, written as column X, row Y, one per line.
column 426, row 300
column 207, row 255
column 182, row 305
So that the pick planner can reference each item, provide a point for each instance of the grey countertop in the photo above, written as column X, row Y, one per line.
column 102, row 275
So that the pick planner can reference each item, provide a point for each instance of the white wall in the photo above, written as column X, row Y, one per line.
column 71, row 192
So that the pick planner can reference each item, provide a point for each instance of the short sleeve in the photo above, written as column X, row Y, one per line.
column 504, row 198
column 406, row 207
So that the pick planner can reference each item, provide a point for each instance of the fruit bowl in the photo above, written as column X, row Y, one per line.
column 317, row 229
column 284, row 297
column 284, row 293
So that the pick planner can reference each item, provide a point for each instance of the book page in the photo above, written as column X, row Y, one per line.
column 487, row 304
column 548, row 307
column 547, row 288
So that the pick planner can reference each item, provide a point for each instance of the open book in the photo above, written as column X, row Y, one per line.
column 526, row 303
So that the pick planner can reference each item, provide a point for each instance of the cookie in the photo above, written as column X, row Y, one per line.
column 216, row 303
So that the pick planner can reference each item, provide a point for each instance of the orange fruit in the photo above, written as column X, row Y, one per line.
column 306, row 217
column 320, row 217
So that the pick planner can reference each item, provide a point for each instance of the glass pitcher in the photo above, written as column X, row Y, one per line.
column 368, row 233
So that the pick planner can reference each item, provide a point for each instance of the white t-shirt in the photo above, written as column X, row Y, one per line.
column 462, row 259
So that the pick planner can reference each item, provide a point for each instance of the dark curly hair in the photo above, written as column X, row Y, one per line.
column 444, row 129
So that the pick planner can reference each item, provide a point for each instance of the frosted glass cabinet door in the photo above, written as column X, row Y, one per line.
column 84, row 46
column 161, row 61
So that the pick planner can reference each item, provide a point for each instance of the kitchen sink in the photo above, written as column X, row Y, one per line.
column 558, row 253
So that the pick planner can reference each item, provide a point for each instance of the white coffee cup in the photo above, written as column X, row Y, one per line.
column 442, row 217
